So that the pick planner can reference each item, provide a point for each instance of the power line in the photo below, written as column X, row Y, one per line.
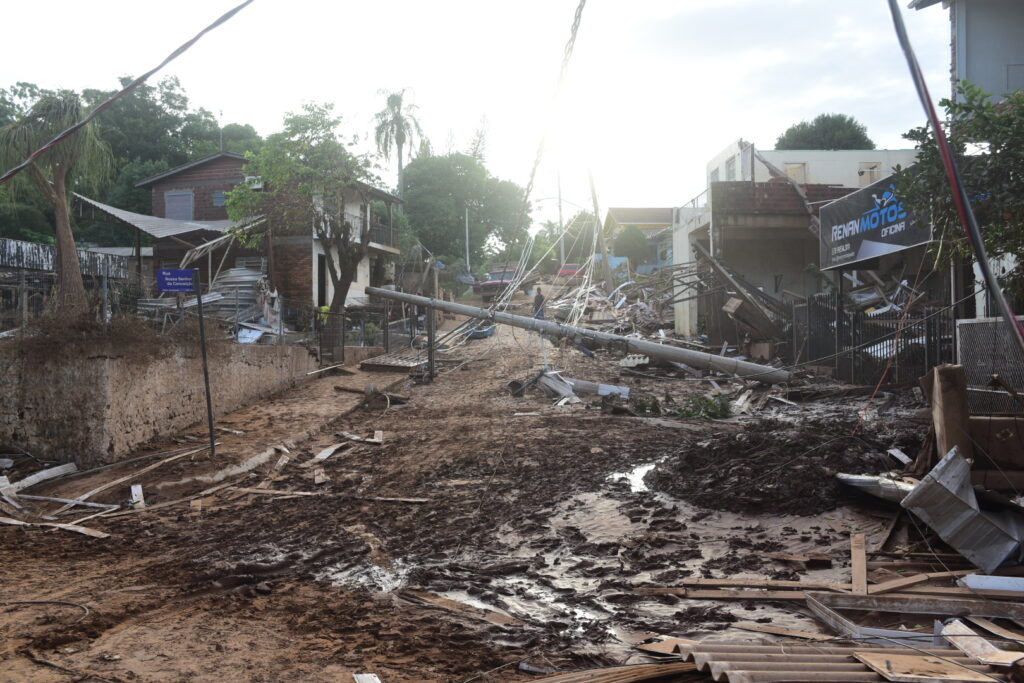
column 116, row 96
column 960, row 199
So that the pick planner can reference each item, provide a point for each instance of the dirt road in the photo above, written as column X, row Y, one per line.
column 483, row 531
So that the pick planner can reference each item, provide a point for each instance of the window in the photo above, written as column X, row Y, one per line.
column 797, row 172
column 869, row 172
column 713, row 178
column 219, row 198
column 730, row 168
column 178, row 205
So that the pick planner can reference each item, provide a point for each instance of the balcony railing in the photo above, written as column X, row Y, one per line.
column 382, row 234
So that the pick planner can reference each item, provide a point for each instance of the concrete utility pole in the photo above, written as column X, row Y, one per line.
column 762, row 373
column 467, row 241
column 605, row 260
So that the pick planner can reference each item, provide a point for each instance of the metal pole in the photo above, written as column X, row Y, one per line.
column 431, row 314
column 561, row 225
column 697, row 359
column 206, row 369
column 387, row 327
column 106, row 287
column 605, row 259
column 468, row 270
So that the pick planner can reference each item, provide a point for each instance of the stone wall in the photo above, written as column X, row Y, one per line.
column 98, row 409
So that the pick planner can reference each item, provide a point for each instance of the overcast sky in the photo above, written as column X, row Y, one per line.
column 655, row 87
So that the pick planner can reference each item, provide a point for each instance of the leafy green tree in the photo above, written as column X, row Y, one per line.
column 826, row 131
column 630, row 242
column 81, row 160
column 396, row 127
column 439, row 189
column 308, row 177
column 986, row 138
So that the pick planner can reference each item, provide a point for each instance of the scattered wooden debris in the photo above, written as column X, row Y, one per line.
column 271, row 492
column 972, row 644
column 319, row 477
column 41, row 475
column 66, row 527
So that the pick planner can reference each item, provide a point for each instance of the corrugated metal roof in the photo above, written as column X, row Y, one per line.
column 755, row 663
column 162, row 227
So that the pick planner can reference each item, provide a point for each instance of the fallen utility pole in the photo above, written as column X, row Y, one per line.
column 762, row 373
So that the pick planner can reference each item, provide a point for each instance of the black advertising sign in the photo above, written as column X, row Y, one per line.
column 866, row 224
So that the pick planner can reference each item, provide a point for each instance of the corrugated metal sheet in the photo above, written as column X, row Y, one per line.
column 42, row 257
column 752, row 663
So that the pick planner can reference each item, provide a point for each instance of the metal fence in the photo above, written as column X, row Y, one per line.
column 868, row 348
column 27, row 294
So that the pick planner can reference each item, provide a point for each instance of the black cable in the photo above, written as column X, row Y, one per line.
column 127, row 89
column 960, row 199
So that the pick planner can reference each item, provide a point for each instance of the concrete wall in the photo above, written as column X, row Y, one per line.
column 98, row 409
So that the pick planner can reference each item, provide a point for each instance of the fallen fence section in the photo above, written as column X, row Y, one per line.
column 743, row 369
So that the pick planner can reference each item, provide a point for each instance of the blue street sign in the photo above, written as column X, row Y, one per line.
column 176, row 280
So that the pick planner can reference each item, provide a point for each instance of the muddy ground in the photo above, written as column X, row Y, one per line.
column 484, row 531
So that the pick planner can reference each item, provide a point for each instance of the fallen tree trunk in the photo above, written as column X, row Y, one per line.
column 762, row 373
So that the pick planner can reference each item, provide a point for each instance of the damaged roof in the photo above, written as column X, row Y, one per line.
column 162, row 227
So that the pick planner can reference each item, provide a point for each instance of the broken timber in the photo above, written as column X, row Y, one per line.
column 762, row 373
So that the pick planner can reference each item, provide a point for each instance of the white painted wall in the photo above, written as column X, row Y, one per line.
column 356, row 295
column 826, row 167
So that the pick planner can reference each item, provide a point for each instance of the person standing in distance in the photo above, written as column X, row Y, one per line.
column 538, row 305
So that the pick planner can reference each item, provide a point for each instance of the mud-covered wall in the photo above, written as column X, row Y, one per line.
column 98, row 409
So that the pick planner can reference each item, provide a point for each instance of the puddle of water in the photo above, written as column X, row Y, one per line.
column 635, row 477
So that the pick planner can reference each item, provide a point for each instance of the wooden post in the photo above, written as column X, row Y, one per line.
column 858, row 564
column 950, row 413
column 138, row 256
column 206, row 369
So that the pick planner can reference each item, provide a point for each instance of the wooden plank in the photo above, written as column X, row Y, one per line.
column 950, row 415
column 913, row 668
column 326, row 453
column 996, row 629
column 896, row 584
column 779, row 631
column 724, row 594
column 320, row 477
column 963, row 638
column 766, row 583
column 42, row 475
column 66, row 527
column 138, row 499
column 858, row 564
column 270, row 492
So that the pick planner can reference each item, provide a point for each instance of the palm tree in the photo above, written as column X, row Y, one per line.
column 81, row 159
column 396, row 127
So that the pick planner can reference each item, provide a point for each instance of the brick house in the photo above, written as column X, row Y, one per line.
column 295, row 261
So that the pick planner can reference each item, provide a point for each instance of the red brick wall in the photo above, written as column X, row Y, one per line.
column 293, row 268
column 217, row 175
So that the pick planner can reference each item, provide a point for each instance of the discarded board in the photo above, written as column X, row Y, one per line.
column 270, row 492
column 623, row 674
column 858, row 564
column 128, row 477
column 963, row 638
column 66, row 527
column 365, row 678
column 996, row 629
column 914, row 668
column 319, row 477
column 138, row 500
column 42, row 475
column 325, row 453
column 427, row 598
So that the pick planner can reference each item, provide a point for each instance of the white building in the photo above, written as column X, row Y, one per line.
column 843, row 167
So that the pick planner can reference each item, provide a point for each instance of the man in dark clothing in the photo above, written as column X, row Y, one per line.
column 538, row 305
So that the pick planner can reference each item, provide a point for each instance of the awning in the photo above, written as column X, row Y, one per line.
column 163, row 227
column 384, row 248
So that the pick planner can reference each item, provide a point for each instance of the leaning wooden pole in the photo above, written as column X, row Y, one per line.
column 762, row 373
